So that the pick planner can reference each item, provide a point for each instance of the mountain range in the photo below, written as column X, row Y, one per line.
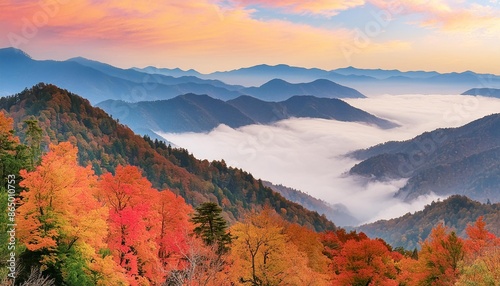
column 367, row 81
column 463, row 160
column 201, row 113
column 98, row 81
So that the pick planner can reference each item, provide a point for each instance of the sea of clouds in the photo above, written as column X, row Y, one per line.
column 307, row 154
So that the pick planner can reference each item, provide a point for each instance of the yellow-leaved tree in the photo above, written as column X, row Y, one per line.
column 263, row 254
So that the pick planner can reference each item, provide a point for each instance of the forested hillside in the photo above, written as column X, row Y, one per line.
column 455, row 212
column 447, row 161
column 337, row 212
column 105, row 144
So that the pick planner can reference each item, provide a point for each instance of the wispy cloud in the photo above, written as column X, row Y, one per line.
column 321, row 7
column 193, row 32
column 213, row 35
column 448, row 15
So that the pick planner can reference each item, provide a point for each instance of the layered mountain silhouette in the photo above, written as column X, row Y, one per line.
column 490, row 92
column 384, row 74
column 278, row 89
column 367, row 81
column 97, row 81
column 464, row 160
column 175, row 72
column 199, row 113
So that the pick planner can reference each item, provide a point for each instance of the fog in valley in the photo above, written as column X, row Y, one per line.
column 307, row 154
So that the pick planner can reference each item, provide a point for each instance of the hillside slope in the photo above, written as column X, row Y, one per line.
column 491, row 92
column 104, row 143
column 464, row 160
column 456, row 212
column 201, row 113
column 337, row 213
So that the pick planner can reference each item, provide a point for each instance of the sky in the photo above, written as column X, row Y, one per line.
column 308, row 154
column 217, row 35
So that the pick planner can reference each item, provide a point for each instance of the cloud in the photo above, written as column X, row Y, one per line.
column 321, row 7
column 192, row 33
column 306, row 154
column 441, row 14
column 211, row 35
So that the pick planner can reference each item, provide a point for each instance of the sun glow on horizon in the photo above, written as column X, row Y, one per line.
column 213, row 36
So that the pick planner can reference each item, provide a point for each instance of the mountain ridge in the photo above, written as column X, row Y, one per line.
column 98, row 81
column 462, row 160
column 490, row 92
column 279, row 89
column 455, row 212
column 204, row 113
column 228, row 84
column 338, row 213
column 367, row 81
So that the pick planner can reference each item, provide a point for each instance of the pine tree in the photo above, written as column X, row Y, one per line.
column 34, row 140
column 13, row 155
column 211, row 226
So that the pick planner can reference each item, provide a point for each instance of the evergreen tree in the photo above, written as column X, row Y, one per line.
column 13, row 155
column 34, row 141
column 211, row 226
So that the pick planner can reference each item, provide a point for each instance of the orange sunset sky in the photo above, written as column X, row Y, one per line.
column 216, row 35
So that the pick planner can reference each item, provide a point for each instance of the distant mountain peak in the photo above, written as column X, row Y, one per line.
column 275, row 82
column 195, row 96
column 485, row 91
column 271, row 66
column 279, row 89
column 84, row 60
column 11, row 51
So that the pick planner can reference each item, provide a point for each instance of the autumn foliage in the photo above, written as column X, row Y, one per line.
column 116, row 229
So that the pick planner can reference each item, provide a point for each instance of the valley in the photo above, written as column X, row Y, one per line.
column 249, row 143
column 293, row 151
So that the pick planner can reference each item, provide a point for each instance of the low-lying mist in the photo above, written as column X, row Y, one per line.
column 307, row 154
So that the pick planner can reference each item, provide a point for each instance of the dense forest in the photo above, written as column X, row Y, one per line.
column 456, row 212
column 67, row 222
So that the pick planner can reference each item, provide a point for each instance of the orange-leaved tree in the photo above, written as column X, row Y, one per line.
column 59, row 221
column 439, row 258
column 364, row 262
column 482, row 259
